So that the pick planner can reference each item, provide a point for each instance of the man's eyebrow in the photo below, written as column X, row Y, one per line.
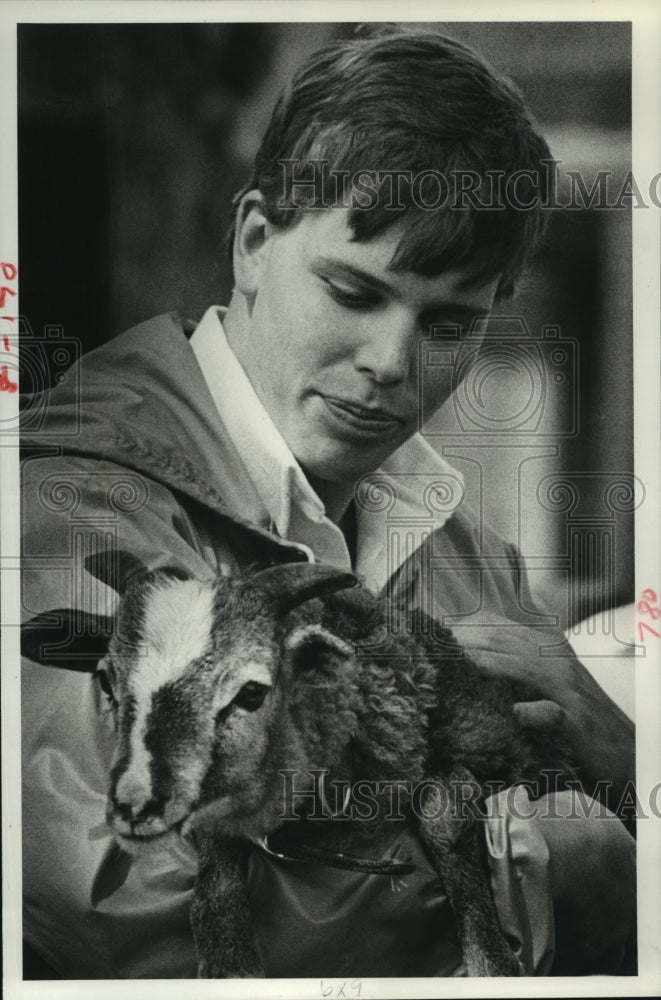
column 341, row 270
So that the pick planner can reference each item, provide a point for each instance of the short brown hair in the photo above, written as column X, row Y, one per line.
column 422, row 104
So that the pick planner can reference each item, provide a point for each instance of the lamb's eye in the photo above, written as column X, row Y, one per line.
column 103, row 679
column 251, row 696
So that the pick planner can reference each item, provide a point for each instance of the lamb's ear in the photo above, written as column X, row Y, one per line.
column 67, row 638
column 313, row 649
column 115, row 567
column 119, row 570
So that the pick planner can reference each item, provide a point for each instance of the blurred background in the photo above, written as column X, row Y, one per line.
column 133, row 139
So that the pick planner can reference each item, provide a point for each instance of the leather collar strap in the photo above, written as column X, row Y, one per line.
column 335, row 859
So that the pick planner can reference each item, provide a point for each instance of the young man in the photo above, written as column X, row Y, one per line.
column 250, row 440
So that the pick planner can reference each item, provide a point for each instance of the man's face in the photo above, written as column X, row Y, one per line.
column 332, row 347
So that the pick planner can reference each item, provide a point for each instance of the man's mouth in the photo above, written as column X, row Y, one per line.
column 368, row 419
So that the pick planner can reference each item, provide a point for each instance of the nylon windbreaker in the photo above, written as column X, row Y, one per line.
column 131, row 456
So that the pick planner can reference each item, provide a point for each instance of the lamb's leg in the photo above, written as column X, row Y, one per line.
column 220, row 912
column 453, row 842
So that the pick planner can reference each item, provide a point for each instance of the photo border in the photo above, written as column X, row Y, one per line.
column 646, row 21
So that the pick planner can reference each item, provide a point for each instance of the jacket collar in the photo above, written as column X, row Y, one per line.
column 168, row 426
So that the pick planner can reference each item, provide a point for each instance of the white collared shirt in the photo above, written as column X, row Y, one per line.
column 412, row 494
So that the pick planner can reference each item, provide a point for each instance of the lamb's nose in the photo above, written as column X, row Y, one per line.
column 140, row 812
column 123, row 810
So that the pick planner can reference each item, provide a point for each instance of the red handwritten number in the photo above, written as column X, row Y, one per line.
column 5, row 341
column 648, row 606
column 6, row 384
column 648, row 628
column 9, row 271
column 3, row 295
column 643, row 608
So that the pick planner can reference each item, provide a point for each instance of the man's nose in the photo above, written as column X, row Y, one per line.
column 387, row 348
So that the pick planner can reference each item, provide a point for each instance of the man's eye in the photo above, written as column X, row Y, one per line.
column 251, row 696
column 104, row 681
column 348, row 297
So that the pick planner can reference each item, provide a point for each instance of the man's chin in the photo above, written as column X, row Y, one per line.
column 342, row 466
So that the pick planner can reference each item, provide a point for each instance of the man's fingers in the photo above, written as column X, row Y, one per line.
column 540, row 714
column 506, row 637
column 524, row 670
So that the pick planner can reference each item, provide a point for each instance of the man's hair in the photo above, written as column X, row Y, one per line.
column 421, row 103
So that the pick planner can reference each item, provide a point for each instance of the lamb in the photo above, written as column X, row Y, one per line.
column 220, row 688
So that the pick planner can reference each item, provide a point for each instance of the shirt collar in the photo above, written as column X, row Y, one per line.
column 294, row 510
column 414, row 486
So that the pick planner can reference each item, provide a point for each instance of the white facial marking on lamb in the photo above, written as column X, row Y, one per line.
column 135, row 785
column 178, row 623
column 175, row 630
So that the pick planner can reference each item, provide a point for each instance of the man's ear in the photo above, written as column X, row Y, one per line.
column 314, row 650
column 251, row 243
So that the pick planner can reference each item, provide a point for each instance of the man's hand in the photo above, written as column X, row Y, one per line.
column 569, row 699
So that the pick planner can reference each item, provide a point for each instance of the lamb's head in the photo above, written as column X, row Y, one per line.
column 216, row 687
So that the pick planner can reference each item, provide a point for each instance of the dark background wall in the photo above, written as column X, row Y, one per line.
column 133, row 138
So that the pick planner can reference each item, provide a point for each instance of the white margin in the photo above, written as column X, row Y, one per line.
column 646, row 18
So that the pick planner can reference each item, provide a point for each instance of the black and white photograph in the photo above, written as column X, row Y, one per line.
column 329, row 414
